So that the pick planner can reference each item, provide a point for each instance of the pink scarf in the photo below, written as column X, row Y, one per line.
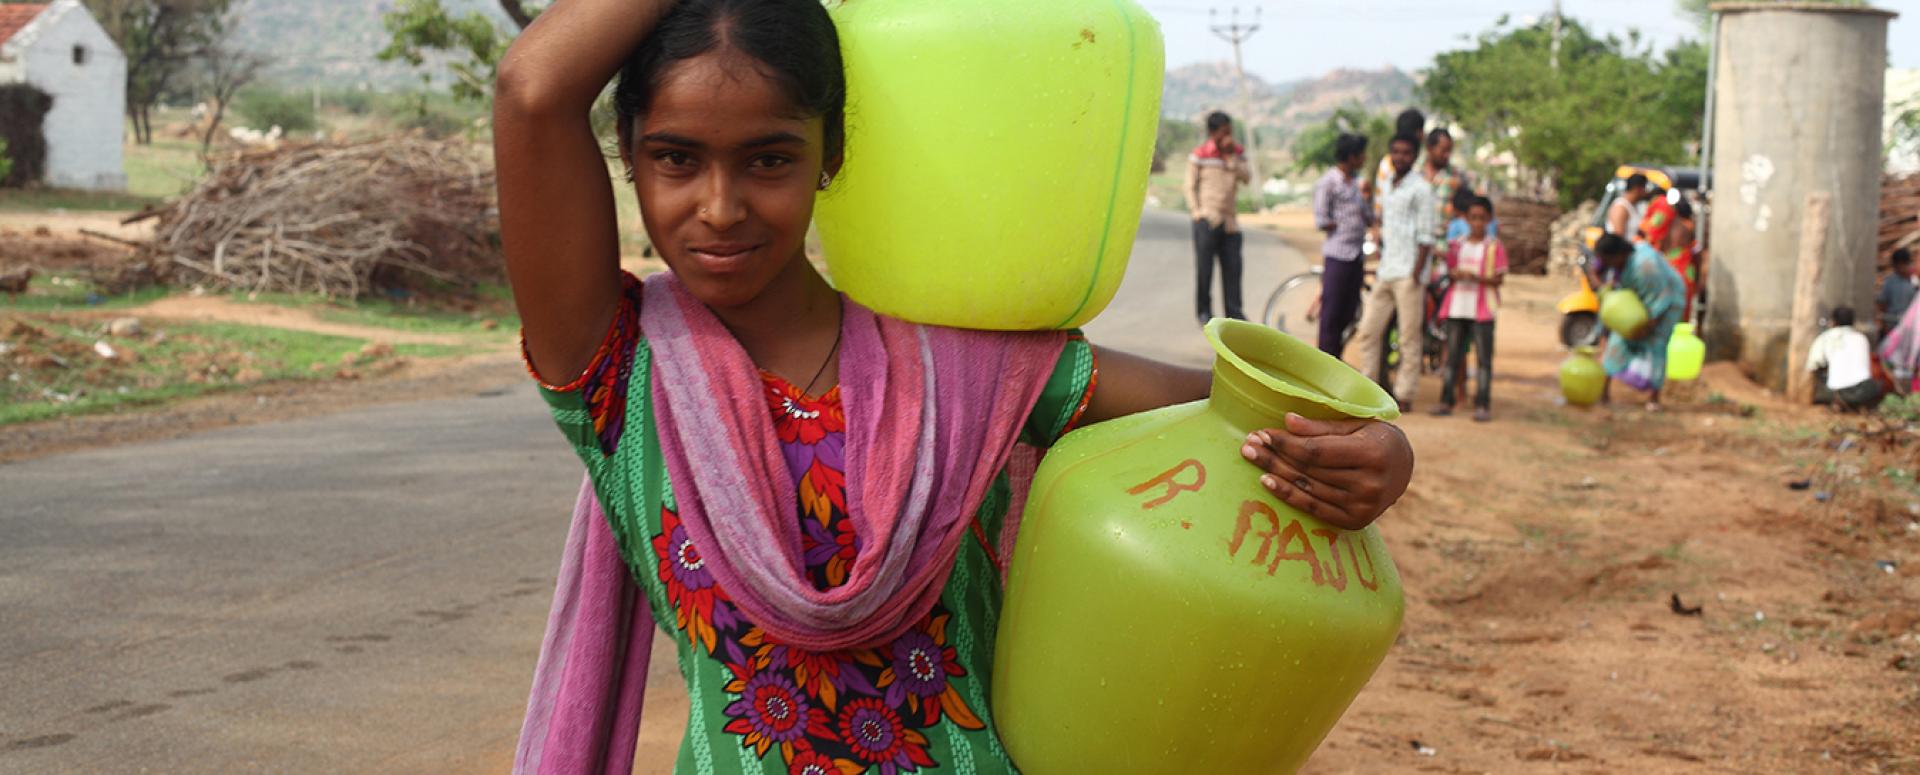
column 933, row 415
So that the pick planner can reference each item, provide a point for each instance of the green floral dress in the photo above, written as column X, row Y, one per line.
column 918, row 704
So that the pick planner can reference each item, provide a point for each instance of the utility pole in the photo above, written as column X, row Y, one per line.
column 1553, row 57
column 1237, row 33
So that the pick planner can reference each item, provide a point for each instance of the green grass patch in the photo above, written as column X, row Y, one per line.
column 427, row 318
column 165, row 169
column 53, row 370
column 66, row 293
column 19, row 200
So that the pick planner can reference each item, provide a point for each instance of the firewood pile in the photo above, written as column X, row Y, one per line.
column 1526, row 228
column 1899, row 217
column 1569, row 235
column 337, row 220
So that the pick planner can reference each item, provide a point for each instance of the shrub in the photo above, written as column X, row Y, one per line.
column 267, row 108
column 6, row 164
column 23, row 112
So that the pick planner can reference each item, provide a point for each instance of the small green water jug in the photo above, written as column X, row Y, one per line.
column 1686, row 354
column 1582, row 378
column 1164, row 613
column 1622, row 311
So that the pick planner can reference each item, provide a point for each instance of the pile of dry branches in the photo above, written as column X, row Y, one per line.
column 1526, row 228
column 1899, row 216
column 338, row 220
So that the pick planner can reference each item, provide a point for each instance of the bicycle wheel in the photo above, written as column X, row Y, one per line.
column 1288, row 305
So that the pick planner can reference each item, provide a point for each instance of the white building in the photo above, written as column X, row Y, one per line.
column 60, row 48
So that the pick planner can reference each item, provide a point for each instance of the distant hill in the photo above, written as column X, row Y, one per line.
column 332, row 43
column 1195, row 90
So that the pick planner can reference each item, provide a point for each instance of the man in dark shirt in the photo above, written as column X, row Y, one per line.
column 1897, row 291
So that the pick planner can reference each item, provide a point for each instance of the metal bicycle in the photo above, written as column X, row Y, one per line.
column 1293, row 309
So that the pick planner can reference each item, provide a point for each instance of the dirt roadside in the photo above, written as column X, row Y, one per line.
column 1541, row 554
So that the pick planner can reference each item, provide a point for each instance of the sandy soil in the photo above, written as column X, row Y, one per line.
column 1541, row 553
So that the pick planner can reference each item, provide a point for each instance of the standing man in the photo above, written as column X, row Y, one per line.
column 1445, row 181
column 1897, row 291
column 1623, row 216
column 1343, row 212
column 1407, row 214
column 1215, row 171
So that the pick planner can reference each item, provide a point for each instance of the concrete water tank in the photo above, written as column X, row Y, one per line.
column 1798, row 95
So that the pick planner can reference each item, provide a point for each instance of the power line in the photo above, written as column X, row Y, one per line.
column 1236, row 33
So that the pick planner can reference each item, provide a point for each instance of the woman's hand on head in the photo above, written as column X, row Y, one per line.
column 1345, row 473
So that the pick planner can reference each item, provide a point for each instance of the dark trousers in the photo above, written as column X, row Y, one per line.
column 1339, row 302
column 1460, row 333
column 1212, row 242
column 1865, row 395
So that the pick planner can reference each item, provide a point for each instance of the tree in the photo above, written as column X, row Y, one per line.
column 424, row 28
column 1313, row 148
column 225, row 70
column 1609, row 101
column 161, row 39
column 1174, row 138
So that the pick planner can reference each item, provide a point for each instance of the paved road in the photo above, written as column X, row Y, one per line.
column 362, row 592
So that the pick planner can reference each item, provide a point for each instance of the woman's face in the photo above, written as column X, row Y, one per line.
column 726, row 171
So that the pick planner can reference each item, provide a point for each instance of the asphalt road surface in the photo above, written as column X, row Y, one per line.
column 359, row 592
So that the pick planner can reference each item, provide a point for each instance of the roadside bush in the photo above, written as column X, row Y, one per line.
column 23, row 113
column 355, row 102
column 267, row 108
column 6, row 164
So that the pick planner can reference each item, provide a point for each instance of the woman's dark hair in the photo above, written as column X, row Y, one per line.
column 1217, row 121
column 1410, row 122
column 1683, row 208
column 793, row 41
column 1347, row 146
column 1612, row 245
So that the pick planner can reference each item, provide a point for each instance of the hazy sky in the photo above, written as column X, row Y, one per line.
column 1305, row 38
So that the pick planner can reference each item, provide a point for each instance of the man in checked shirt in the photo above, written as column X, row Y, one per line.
column 1407, row 221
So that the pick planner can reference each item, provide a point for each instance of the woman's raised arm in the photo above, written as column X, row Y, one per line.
column 557, row 218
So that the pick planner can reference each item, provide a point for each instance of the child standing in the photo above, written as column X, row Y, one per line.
column 804, row 496
column 1477, row 265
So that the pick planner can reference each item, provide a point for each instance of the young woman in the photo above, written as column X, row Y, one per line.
column 810, row 499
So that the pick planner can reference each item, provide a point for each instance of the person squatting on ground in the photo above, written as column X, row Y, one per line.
column 1477, row 266
column 1215, row 172
column 1407, row 230
column 742, row 426
column 1344, row 212
column 1639, row 358
column 1847, row 356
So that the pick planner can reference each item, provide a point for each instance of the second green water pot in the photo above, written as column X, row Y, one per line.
column 1164, row 612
